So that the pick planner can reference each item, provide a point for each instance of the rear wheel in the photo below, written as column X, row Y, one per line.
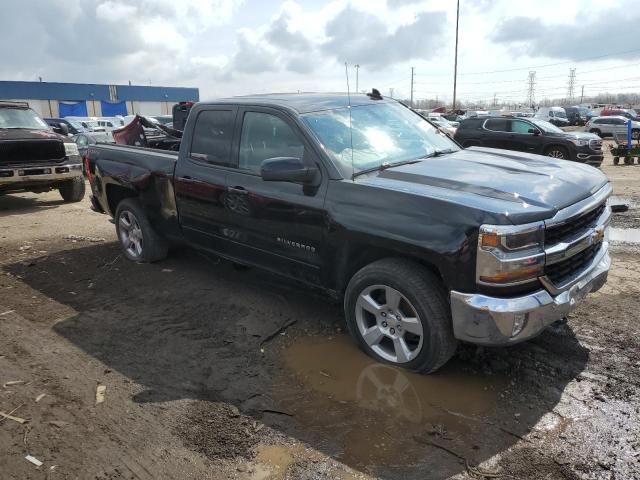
column 138, row 240
column 398, row 313
column 72, row 190
column 557, row 152
column 635, row 134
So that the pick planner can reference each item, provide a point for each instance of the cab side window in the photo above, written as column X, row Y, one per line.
column 266, row 136
column 497, row 125
column 212, row 137
column 518, row 126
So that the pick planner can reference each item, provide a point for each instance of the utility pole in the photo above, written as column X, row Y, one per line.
column 357, row 69
column 455, row 64
column 411, row 87
column 572, row 82
column 391, row 92
column 582, row 95
column 494, row 99
column 531, row 98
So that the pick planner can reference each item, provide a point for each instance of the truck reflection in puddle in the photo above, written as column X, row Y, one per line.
column 378, row 416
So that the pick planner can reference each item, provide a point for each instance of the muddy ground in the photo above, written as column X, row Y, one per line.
column 214, row 373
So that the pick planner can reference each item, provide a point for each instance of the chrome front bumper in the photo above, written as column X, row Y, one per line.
column 494, row 321
column 488, row 320
column 39, row 174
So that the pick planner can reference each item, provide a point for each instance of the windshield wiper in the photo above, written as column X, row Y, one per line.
column 384, row 166
column 438, row 153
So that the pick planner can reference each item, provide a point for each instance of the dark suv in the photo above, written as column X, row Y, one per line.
column 530, row 135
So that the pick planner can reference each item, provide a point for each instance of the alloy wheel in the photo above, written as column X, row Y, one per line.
column 130, row 234
column 389, row 324
column 556, row 154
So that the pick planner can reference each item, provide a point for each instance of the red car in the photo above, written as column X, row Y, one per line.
column 607, row 112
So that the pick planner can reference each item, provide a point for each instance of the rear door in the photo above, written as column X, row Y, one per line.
column 277, row 225
column 200, row 176
column 496, row 134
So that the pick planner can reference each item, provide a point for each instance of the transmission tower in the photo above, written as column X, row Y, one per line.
column 572, row 83
column 531, row 93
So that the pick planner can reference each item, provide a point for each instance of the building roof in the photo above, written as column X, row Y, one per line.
column 92, row 91
column 303, row 102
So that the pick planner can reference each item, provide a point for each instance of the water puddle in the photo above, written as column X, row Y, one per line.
column 624, row 235
column 371, row 415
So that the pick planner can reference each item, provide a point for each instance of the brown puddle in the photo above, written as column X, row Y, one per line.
column 368, row 415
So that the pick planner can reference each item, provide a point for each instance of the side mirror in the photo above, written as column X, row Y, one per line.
column 62, row 129
column 287, row 169
column 534, row 131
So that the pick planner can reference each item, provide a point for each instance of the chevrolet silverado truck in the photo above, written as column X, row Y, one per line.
column 35, row 159
column 426, row 244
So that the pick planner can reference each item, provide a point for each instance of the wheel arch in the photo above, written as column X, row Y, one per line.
column 116, row 193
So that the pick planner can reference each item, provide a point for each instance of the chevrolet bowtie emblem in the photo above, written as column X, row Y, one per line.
column 598, row 235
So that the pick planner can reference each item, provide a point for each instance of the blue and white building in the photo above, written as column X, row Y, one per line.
column 54, row 99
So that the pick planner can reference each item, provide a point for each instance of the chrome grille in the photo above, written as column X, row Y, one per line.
column 596, row 145
column 559, row 272
column 557, row 233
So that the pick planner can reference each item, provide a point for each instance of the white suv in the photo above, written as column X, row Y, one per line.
column 607, row 126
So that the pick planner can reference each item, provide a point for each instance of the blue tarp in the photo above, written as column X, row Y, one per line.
column 111, row 109
column 73, row 109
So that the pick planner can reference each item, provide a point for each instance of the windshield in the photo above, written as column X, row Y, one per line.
column 21, row 118
column 546, row 126
column 384, row 133
column 561, row 114
column 90, row 124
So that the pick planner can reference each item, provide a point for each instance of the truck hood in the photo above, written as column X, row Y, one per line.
column 28, row 134
column 508, row 181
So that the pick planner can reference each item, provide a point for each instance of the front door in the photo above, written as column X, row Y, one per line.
column 278, row 225
column 522, row 139
column 200, row 176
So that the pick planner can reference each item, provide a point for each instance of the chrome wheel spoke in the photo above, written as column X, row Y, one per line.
column 372, row 335
column 412, row 325
column 393, row 297
column 403, row 354
column 369, row 304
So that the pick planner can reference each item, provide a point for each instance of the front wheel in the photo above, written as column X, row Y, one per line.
column 557, row 152
column 398, row 313
column 138, row 240
column 72, row 190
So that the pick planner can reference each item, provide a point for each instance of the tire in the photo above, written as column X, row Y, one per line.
column 616, row 160
column 596, row 131
column 635, row 134
column 419, row 295
column 138, row 240
column 72, row 190
column 560, row 153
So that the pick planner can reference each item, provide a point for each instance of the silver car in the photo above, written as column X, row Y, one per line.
column 607, row 126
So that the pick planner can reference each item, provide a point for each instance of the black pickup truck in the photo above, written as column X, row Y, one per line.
column 426, row 244
column 33, row 158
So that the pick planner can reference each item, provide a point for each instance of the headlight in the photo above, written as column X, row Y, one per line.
column 71, row 149
column 510, row 255
column 579, row 142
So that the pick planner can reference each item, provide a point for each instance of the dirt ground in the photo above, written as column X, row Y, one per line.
column 210, row 372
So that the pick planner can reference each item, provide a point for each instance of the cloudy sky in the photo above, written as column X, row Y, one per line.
column 230, row 47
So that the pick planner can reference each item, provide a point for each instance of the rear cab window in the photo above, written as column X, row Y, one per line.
column 212, row 137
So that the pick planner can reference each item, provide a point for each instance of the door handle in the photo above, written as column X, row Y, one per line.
column 238, row 190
